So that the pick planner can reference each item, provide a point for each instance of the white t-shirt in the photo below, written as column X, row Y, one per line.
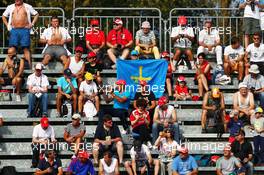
column 166, row 147
column 248, row 13
column 182, row 42
column 109, row 170
column 48, row 33
column 233, row 54
column 256, row 53
column 166, row 114
column 41, row 134
column 38, row 82
column 74, row 66
column 209, row 39
column 142, row 155
column 88, row 89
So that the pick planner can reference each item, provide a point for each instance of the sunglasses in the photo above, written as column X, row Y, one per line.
column 94, row 25
column 256, row 38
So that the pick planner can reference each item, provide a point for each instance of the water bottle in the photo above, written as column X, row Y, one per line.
column 69, row 107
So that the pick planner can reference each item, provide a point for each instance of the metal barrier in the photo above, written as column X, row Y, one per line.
column 223, row 19
column 132, row 18
column 45, row 14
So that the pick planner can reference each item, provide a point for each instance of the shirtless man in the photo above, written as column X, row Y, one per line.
column 55, row 38
column 15, row 68
column 19, row 25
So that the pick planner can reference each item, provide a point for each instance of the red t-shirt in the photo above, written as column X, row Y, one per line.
column 141, row 120
column 169, row 71
column 203, row 66
column 121, row 37
column 181, row 90
column 95, row 37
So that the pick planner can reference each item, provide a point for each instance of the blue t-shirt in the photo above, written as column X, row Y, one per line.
column 65, row 86
column 125, row 105
column 243, row 1
column 184, row 167
column 234, row 127
column 78, row 168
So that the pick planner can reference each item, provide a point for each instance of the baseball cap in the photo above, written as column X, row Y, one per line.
column 258, row 110
column 120, row 82
column 182, row 20
column 76, row 116
column 227, row 148
column 215, row 92
column 88, row 76
column 83, row 154
column 162, row 101
column 38, row 66
column 145, row 24
column 91, row 55
column 242, row 85
column 233, row 113
column 94, row 22
column 143, row 82
column 78, row 48
column 183, row 150
column 134, row 53
column 67, row 72
column 118, row 21
column 181, row 78
column 165, row 54
column 44, row 122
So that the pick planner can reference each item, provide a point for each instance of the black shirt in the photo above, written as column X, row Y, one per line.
column 101, row 133
column 148, row 97
column 44, row 164
column 241, row 151
column 93, row 69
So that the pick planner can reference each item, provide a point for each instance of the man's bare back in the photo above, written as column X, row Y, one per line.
column 19, row 17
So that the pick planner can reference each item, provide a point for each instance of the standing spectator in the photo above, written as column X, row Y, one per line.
column 107, row 138
column 243, row 102
column 81, row 165
column 50, row 165
column 209, row 42
column 95, row 39
column 15, row 68
column 165, row 117
column 234, row 58
column 43, row 134
column 76, row 64
column 181, row 90
column 134, row 55
column 255, row 82
column 182, row 36
column 167, row 149
column 255, row 53
column 243, row 151
column 19, row 25
column 227, row 164
column 184, row 164
column 74, row 132
column 119, row 40
column 251, row 18
column 37, row 84
column 257, row 122
column 55, row 38
column 234, row 125
column 141, row 158
column 108, row 165
column 146, row 41
column 202, row 76
column 67, row 89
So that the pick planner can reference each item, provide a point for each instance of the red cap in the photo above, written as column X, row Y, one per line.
column 94, row 22
column 143, row 82
column 44, row 122
column 182, row 20
column 120, row 82
column 118, row 21
column 91, row 55
column 181, row 78
column 79, row 48
column 214, row 158
column 162, row 101
column 183, row 150
column 165, row 54
column 83, row 154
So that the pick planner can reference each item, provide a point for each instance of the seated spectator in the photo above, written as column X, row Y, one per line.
column 141, row 158
column 165, row 117
column 94, row 67
column 140, row 121
column 55, row 38
column 108, row 165
column 74, row 133
column 182, row 36
column 255, row 83
column 213, row 111
column 76, row 64
column 228, row 164
column 243, row 102
column 181, row 90
column 134, row 55
column 234, row 58
column 202, row 76
column 167, row 149
column 43, row 135
column 50, row 164
column 243, row 151
column 184, row 163
column 67, row 90
column 15, row 68
column 119, row 40
column 209, row 42
column 255, row 53
column 107, row 138
column 257, row 127
column 88, row 97
column 37, row 84
column 146, row 41
column 95, row 39
column 171, row 69
column 1, row 120
column 81, row 165
column 121, row 99
column 234, row 125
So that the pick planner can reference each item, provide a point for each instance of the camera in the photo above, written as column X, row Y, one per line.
column 182, row 35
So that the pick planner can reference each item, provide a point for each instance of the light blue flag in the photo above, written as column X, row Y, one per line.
column 152, row 71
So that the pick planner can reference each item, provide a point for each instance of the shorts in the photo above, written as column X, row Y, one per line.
column 8, row 81
column 104, row 148
column 251, row 26
column 55, row 51
column 209, row 82
column 19, row 37
column 260, row 66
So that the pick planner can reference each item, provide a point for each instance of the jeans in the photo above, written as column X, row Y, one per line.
column 43, row 103
column 249, row 168
column 143, row 132
column 259, row 148
column 260, row 97
column 156, row 128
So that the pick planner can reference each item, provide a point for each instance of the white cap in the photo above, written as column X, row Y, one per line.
column 76, row 116
column 145, row 24
column 242, row 85
column 38, row 66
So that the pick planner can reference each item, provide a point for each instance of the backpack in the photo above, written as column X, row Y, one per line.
column 9, row 170
column 66, row 109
